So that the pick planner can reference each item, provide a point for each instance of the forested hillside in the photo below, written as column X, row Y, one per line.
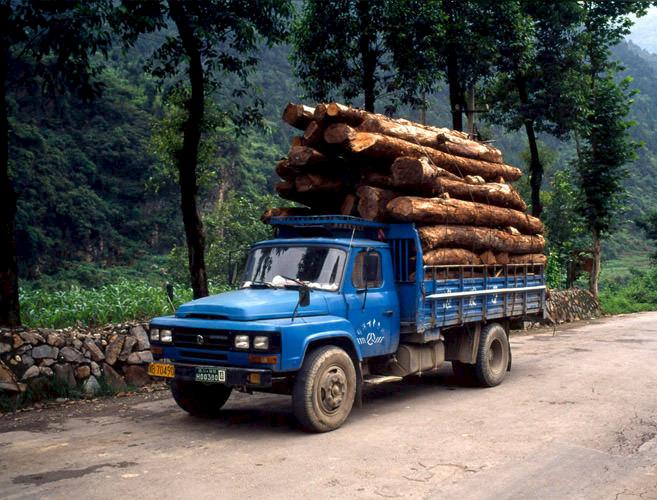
column 91, row 187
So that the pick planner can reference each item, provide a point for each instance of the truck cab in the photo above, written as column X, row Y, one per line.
column 331, row 303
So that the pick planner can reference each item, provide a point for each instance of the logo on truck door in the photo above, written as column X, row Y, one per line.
column 370, row 333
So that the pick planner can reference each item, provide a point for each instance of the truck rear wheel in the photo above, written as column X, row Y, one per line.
column 200, row 400
column 493, row 355
column 324, row 389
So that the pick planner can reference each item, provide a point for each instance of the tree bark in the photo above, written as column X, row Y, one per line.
column 456, row 99
column 442, row 141
column 428, row 180
column 535, row 166
column 317, row 183
column 372, row 203
column 349, row 205
column 534, row 258
column 596, row 250
column 390, row 148
column 314, row 133
column 479, row 238
column 447, row 256
column 187, row 157
column 9, row 300
column 298, row 115
column 303, row 156
column 285, row 171
column 459, row 212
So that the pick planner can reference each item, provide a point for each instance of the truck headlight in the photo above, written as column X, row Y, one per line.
column 155, row 334
column 261, row 342
column 166, row 336
column 241, row 341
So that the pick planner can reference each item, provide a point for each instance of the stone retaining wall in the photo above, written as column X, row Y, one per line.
column 77, row 357
column 573, row 304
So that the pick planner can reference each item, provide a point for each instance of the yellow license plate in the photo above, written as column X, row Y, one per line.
column 166, row 370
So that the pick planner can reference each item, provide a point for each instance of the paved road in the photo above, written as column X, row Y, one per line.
column 577, row 418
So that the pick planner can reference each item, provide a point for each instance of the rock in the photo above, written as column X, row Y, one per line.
column 82, row 372
column 137, row 358
column 113, row 379
column 71, row 355
column 27, row 360
column 140, row 334
column 65, row 374
column 137, row 376
column 47, row 362
column 24, row 348
column 31, row 372
column 4, row 347
column 55, row 340
column 17, row 341
column 46, row 371
column 128, row 344
column 95, row 369
column 45, row 351
column 94, row 351
column 8, row 380
column 91, row 387
column 77, row 344
column 114, row 349
column 32, row 338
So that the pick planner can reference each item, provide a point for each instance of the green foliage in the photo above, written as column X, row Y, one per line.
column 635, row 294
column 649, row 226
column 121, row 301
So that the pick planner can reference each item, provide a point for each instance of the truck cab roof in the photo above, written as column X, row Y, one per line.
column 333, row 242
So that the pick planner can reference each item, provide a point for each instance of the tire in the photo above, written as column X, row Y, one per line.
column 324, row 389
column 464, row 373
column 493, row 355
column 200, row 400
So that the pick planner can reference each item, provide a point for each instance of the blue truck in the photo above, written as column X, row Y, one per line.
column 335, row 302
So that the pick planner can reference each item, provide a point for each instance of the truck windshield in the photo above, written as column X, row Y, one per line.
column 283, row 266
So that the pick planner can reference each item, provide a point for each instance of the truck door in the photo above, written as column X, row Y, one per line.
column 373, row 306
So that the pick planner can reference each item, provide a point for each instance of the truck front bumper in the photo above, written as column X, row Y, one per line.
column 250, row 377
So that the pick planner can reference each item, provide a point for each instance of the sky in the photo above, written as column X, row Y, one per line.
column 644, row 31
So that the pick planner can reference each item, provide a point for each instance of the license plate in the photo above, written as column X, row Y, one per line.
column 166, row 370
column 210, row 374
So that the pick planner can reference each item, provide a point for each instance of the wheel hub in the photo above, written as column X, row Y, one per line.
column 332, row 389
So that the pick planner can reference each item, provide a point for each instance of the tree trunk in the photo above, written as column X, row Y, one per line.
column 453, row 79
column 479, row 238
column 9, row 301
column 450, row 211
column 298, row 115
column 368, row 55
column 596, row 250
column 535, row 166
column 372, row 202
column 428, row 180
column 389, row 148
column 187, row 157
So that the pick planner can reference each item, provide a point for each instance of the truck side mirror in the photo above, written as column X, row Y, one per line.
column 372, row 267
column 304, row 296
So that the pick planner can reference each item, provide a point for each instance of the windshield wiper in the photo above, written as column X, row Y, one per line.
column 261, row 284
column 298, row 282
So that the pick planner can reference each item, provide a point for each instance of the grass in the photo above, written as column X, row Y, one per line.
column 125, row 300
column 629, row 288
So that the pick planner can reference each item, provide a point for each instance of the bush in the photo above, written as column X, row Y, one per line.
column 636, row 293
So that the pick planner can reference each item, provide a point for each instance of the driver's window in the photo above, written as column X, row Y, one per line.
column 367, row 266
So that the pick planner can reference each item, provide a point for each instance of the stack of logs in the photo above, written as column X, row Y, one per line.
column 455, row 190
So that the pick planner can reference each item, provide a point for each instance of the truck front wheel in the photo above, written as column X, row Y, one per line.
column 200, row 400
column 324, row 389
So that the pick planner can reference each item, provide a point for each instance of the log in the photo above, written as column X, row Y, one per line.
column 298, row 115
column 446, row 256
column 382, row 146
column 284, row 212
column 349, row 205
column 459, row 212
column 479, row 238
column 314, row 134
column 429, row 180
column 285, row 189
column 534, row 258
column 502, row 258
column 372, row 202
column 376, row 178
column 441, row 141
column 339, row 133
column 488, row 258
column 317, row 183
column 285, row 170
column 297, row 140
column 302, row 156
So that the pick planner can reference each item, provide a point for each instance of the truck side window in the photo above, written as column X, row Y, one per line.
column 370, row 263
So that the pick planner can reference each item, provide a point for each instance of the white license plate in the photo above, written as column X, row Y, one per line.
column 210, row 374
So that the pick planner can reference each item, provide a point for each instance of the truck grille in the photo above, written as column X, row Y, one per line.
column 217, row 340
